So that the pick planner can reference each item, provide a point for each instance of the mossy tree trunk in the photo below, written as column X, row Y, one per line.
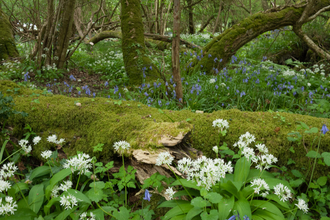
column 137, row 64
column 225, row 45
column 7, row 43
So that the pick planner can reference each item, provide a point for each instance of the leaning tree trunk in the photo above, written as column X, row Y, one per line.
column 222, row 47
column 7, row 43
column 137, row 64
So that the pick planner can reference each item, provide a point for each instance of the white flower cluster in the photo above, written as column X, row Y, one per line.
column 53, row 139
column 220, row 123
column 204, row 171
column 212, row 81
column 283, row 192
column 63, row 187
column 170, row 192
column 121, row 146
column 260, row 183
column 291, row 73
column 84, row 216
column 26, row 148
column 46, row 154
column 68, row 201
column 302, row 205
column 8, row 170
column 8, row 206
column 80, row 162
column 164, row 158
column 263, row 160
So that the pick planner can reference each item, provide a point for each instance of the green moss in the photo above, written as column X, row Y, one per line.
column 104, row 122
column 7, row 43
column 133, row 45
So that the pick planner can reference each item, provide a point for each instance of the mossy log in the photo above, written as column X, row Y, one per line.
column 161, row 42
column 7, row 43
column 102, row 120
column 226, row 44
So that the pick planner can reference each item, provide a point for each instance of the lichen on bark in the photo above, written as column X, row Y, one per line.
column 7, row 43
column 133, row 45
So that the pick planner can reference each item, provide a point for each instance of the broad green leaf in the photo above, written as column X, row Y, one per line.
column 50, row 203
column 322, row 180
column 275, row 198
column 225, row 206
column 193, row 212
column 296, row 183
column 179, row 217
column 313, row 185
column 172, row 203
column 98, row 184
column 242, row 169
column 178, row 210
column 55, row 179
column 296, row 173
column 186, row 183
column 267, row 215
column 21, row 214
column 213, row 197
column 255, row 173
column 312, row 131
column 79, row 195
column 325, row 218
column 313, row 154
column 230, row 187
column 122, row 214
column 212, row 216
column 326, row 157
column 243, row 207
column 304, row 125
column 36, row 197
column 39, row 171
column 95, row 194
column 263, row 204
column 198, row 202
column 16, row 188
column 66, row 213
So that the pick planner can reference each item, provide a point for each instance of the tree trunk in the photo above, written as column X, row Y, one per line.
column 137, row 64
column 224, row 46
column 190, row 17
column 206, row 23
column 218, row 18
column 175, row 51
column 65, row 32
column 7, row 42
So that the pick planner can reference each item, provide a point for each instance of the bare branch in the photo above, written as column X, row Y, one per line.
column 318, row 13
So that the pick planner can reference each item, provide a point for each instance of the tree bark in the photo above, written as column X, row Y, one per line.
column 218, row 18
column 190, row 17
column 175, row 51
column 7, row 43
column 65, row 32
column 137, row 64
column 225, row 45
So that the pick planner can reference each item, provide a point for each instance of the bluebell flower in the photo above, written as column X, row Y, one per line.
column 215, row 59
column 155, row 84
column 116, row 90
column 185, row 53
column 93, row 94
column 186, row 83
column 159, row 102
column 108, row 96
column 79, row 92
column 167, row 103
column 148, row 85
column 242, row 93
column 106, row 83
column 146, row 94
column 321, row 87
column 150, row 67
column 324, row 129
column 257, row 81
column 174, row 85
column 209, row 55
column 72, row 77
column 26, row 76
column 147, row 195
column 294, row 93
column 216, row 86
column 302, row 88
column 119, row 95
column 220, row 60
column 88, row 92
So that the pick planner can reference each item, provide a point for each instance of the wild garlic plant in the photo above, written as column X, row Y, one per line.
column 222, row 189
